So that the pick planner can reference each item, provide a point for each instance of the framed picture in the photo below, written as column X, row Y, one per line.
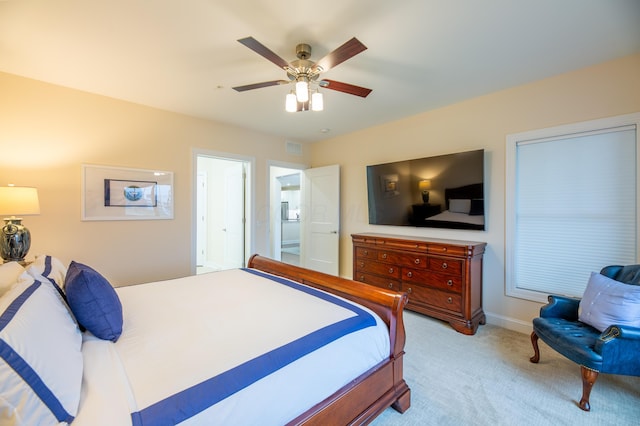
column 389, row 184
column 129, row 193
column 117, row 193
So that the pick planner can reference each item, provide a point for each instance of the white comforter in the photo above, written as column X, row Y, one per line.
column 181, row 333
column 449, row 216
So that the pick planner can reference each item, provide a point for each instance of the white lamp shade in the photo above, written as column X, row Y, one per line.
column 291, row 103
column 302, row 91
column 19, row 200
column 317, row 102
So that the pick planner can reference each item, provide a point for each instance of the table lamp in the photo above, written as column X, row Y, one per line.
column 425, row 186
column 15, row 238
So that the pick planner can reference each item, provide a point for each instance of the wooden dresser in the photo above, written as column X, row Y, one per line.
column 443, row 278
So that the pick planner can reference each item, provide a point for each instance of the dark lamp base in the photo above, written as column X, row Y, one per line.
column 15, row 240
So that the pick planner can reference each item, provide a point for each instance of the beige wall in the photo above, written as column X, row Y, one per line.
column 47, row 132
column 604, row 90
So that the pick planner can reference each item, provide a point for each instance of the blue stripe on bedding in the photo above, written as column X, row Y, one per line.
column 47, row 266
column 191, row 401
column 22, row 367
column 47, row 270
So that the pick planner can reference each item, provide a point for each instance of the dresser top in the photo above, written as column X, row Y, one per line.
column 373, row 235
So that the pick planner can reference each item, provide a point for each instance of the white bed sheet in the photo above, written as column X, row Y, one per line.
column 164, row 343
column 449, row 216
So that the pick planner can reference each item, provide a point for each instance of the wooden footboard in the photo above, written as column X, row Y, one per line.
column 383, row 386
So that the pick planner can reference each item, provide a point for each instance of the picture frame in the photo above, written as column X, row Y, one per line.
column 119, row 193
column 389, row 185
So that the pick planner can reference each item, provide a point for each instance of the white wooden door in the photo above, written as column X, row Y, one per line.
column 320, row 219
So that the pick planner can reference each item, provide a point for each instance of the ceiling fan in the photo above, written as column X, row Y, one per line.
column 305, row 73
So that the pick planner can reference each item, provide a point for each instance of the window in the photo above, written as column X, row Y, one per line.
column 571, row 205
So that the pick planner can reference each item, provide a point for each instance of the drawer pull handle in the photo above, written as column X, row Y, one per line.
column 409, row 290
column 449, row 300
column 366, row 252
column 362, row 278
column 444, row 265
column 444, row 249
column 384, row 255
column 409, row 274
column 391, row 270
column 362, row 264
column 450, row 283
column 417, row 261
column 390, row 285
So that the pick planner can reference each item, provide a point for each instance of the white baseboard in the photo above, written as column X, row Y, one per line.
column 520, row 326
column 211, row 265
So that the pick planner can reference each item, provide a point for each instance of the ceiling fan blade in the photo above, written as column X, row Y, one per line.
column 348, row 50
column 345, row 88
column 264, row 51
column 259, row 85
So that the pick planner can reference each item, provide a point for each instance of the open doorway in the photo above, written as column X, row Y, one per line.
column 222, row 199
column 305, row 216
column 285, row 221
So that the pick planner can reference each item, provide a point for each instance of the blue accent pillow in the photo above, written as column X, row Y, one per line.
column 94, row 301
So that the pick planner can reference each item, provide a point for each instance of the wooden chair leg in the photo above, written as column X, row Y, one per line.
column 534, row 341
column 589, row 377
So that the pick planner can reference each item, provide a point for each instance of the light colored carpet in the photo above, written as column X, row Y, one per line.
column 487, row 379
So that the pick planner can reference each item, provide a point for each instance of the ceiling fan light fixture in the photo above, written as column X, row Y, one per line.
column 302, row 90
column 317, row 101
column 291, row 103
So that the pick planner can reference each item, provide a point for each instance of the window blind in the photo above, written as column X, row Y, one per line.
column 575, row 208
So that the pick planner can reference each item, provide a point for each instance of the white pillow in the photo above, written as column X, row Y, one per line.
column 9, row 273
column 609, row 302
column 40, row 356
column 459, row 206
column 48, row 267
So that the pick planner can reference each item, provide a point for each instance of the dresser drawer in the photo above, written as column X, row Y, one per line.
column 443, row 278
column 429, row 296
column 432, row 279
column 445, row 249
column 386, row 270
column 378, row 281
column 445, row 265
column 366, row 253
column 403, row 259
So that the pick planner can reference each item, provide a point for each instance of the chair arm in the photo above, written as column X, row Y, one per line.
column 620, row 332
column 561, row 307
column 619, row 345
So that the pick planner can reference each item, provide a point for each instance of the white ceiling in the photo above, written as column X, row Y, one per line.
column 183, row 56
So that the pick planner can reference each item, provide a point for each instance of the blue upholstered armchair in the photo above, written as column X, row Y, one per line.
column 616, row 350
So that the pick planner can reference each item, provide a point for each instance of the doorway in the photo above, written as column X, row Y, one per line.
column 305, row 216
column 285, row 223
column 222, row 200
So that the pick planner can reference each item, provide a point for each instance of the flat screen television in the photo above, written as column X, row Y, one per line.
column 444, row 191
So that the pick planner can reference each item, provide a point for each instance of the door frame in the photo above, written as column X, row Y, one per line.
column 250, row 209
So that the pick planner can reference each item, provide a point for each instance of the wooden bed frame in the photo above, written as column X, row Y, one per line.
column 383, row 386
